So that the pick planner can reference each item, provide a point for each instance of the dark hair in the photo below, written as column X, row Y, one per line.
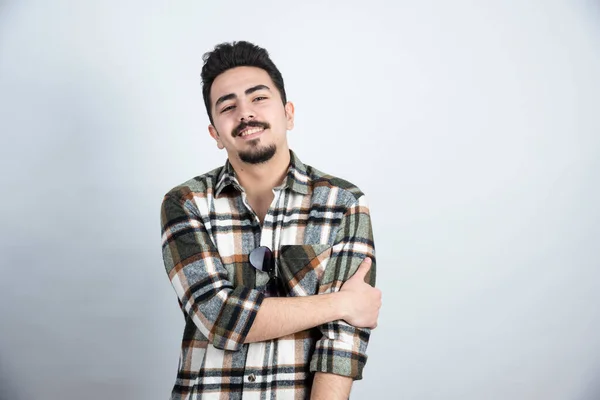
column 236, row 54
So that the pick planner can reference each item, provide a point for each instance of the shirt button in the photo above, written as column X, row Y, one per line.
column 251, row 377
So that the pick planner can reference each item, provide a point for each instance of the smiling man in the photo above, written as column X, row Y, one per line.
column 272, row 260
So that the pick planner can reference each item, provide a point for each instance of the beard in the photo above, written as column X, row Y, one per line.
column 258, row 154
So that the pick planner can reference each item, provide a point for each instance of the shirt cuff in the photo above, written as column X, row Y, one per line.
column 345, row 355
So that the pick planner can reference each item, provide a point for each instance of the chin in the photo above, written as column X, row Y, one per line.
column 258, row 155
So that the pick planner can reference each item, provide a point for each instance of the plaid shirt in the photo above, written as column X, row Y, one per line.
column 319, row 229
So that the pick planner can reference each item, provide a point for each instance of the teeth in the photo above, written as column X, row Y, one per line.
column 251, row 131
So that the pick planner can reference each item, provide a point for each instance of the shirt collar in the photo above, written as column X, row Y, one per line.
column 297, row 179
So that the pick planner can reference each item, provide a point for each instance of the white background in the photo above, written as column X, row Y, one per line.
column 472, row 126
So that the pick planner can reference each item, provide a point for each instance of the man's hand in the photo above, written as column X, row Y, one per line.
column 362, row 301
column 357, row 303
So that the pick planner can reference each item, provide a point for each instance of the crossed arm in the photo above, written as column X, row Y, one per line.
column 230, row 317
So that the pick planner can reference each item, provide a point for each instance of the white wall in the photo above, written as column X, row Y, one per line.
column 473, row 128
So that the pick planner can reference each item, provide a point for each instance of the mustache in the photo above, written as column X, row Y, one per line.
column 254, row 124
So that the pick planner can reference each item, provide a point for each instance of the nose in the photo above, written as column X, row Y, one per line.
column 245, row 112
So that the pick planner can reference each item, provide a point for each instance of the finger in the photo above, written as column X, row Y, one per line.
column 363, row 268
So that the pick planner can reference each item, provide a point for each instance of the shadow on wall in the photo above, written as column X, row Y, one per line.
column 4, row 8
column 7, row 392
column 8, row 386
column 591, row 390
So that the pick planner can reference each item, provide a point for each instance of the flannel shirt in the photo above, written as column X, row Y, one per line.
column 319, row 229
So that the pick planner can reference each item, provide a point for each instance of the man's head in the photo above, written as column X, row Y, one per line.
column 246, row 102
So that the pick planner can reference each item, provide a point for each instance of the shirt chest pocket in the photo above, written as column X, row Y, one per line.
column 302, row 266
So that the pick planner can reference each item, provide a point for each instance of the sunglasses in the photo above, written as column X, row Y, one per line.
column 262, row 259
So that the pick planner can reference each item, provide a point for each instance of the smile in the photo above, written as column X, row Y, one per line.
column 251, row 132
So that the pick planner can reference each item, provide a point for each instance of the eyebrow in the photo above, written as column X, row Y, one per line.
column 248, row 91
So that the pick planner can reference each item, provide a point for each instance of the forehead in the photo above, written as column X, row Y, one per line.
column 237, row 80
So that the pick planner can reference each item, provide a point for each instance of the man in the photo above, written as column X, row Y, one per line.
column 268, row 256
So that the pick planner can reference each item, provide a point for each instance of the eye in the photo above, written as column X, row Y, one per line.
column 227, row 109
column 259, row 98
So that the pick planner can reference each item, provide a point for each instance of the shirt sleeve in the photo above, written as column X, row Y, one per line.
column 222, row 313
column 342, row 349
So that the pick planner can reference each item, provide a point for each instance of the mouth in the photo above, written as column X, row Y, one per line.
column 251, row 133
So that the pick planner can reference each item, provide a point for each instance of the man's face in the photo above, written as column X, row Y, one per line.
column 249, row 118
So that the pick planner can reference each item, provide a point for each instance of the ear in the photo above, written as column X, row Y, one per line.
column 289, row 115
column 215, row 135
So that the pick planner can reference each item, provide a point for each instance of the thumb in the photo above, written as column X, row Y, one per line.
column 363, row 268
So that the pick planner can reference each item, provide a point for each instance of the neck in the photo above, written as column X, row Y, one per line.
column 260, row 179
